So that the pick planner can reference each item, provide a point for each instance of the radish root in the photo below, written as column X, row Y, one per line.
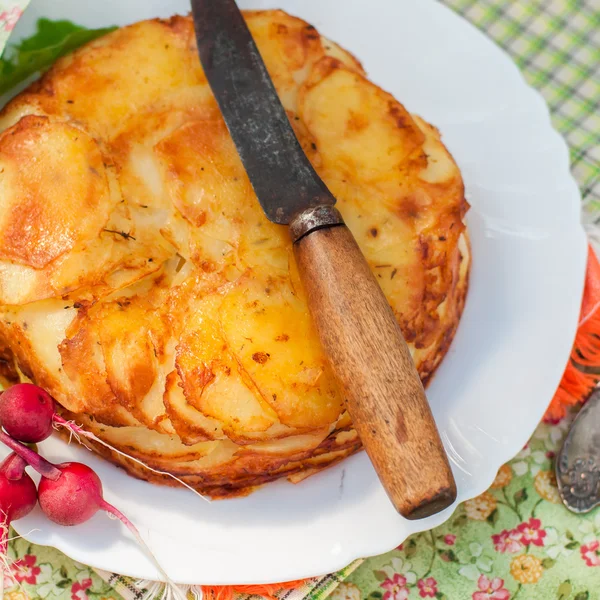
column 157, row 590
column 78, row 432
column 116, row 513
column 5, row 562
column 3, row 535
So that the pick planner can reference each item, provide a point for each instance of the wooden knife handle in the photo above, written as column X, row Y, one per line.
column 371, row 360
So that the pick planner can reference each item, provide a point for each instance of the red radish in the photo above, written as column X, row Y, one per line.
column 26, row 412
column 13, row 467
column 18, row 495
column 76, row 496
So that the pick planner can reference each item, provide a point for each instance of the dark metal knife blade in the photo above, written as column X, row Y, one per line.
column 356, row 326
column 254, row 115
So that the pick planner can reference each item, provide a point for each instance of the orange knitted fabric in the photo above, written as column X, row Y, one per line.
column 583, row 370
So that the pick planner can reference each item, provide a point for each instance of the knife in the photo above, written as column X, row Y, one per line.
column 355, row 324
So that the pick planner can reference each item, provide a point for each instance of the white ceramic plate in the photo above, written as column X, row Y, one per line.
column 512, row 345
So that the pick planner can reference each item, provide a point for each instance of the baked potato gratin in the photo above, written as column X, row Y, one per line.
column 142, row 285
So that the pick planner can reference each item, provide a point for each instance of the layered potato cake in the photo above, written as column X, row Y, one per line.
column 142, row 285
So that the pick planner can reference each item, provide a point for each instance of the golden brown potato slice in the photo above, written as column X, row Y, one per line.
column 348, row 60
column 289, row 46
column 268, row 329
column 213, row 381
column 42, row 161
column 62, row 223
column 360, row 130
column 191, row 426
column 101, row 85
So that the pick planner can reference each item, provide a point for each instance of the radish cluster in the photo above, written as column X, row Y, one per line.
column 69, row 493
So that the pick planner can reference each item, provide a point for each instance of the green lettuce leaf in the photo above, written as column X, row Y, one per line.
column 38, row 52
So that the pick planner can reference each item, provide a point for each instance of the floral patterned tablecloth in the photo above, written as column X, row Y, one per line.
column 515, row 541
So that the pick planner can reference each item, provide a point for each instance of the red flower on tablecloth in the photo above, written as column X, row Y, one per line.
column 508, row 541
column 396, row 588
column 590, row 553
column 449, row 539
column 25, row 569
column 9, row 18
column 427, row 587
column 491, row 589
column 78, row 589
column 531, row 532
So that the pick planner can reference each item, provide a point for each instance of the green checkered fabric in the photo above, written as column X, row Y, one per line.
column 556, row 44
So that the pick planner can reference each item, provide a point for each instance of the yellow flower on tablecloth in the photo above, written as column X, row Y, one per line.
column 503, row 478
column 480, row 508
column 545, row 486
column 526, row 568
column 346, row 591
column 16, row 596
